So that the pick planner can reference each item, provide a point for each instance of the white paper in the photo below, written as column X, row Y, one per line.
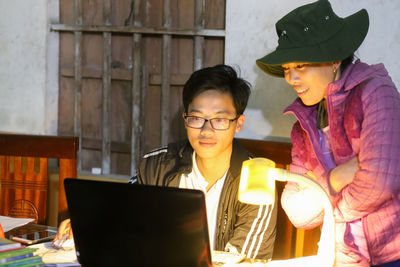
column 9, row 223
column 56, row 257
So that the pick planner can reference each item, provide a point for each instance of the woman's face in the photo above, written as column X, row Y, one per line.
column 310, row 80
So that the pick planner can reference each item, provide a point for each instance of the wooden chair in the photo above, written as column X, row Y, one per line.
column 23, row 174
column 290, row 242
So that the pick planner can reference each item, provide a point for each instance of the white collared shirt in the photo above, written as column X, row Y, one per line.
column 195, row 180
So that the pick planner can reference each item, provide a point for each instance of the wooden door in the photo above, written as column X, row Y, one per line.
column 123, row 64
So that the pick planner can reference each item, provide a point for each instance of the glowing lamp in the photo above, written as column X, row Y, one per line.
column 257, row 186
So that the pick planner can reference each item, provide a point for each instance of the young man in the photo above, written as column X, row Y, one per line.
column 210, row 160
column 214, row 100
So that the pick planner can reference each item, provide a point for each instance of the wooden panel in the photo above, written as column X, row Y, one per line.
column 91, row 158
column 176, row 123
column 213, row 47
column 153, row 16
column 92, row 50
column 155, row 46
column 199, row 23
column 153, row 120
column 122, row 54
column 213, row 52
column 92, row 108
column 78, row 79
column 182, row 50
column 121, row 10
column 138, row 97
column 120, row 163
column 66, row 12
column 67, row 49
column 92, row 12
column 106, row 103
column 214, row 15
column 66, row 106
column 120, row 111
column 165, row 89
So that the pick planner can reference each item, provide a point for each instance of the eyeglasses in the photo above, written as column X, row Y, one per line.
column 216, row 123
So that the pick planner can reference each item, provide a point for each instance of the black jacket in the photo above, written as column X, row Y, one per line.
column 251, row 229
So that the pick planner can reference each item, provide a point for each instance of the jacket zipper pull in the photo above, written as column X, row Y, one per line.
column 225, row 222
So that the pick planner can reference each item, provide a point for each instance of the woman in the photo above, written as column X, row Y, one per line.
column 347, row 136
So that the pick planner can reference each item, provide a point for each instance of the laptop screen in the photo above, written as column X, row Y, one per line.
column 120, row 224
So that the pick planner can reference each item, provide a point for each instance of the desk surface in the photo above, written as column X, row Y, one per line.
column 32, row 227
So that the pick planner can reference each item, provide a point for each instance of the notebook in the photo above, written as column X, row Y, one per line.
column 121, row 224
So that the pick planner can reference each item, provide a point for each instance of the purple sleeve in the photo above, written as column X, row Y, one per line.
column 378, row 179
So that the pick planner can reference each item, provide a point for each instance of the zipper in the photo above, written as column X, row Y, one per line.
column 225, row 222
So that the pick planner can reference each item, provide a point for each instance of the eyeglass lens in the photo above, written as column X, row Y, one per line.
column 216, row 123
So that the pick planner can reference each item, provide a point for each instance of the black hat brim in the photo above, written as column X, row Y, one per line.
column 340, row 46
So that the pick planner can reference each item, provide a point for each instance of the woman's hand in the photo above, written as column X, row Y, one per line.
column 343, row 174
column 64, row 234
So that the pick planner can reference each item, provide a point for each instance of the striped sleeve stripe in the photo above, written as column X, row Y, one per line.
column 133, row 180
column 249, row 234
column 271, row 207
column 260, row 225
column 261, row 228
column 156, row 152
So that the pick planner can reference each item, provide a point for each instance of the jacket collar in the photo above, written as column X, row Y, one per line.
column 355, row 74
column 239, row 154
column 183, row 151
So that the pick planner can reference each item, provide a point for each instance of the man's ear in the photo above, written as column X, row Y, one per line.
column 240, row 123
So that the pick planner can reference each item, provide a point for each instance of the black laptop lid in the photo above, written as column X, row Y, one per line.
column 121, row 224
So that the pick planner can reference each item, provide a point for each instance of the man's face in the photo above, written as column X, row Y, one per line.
column 207, row 142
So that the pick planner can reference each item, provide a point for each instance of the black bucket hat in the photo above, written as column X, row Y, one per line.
column 313, row 33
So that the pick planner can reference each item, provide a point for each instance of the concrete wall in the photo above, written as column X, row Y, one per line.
column 28, row 95
column 250, row 27
column 29, row 68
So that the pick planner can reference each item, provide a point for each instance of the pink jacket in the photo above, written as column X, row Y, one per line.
column 364, row 120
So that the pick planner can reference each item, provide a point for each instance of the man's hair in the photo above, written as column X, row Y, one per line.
column 222, row 78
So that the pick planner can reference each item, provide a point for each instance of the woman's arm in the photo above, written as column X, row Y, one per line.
column 377, row 179
column 343, row 174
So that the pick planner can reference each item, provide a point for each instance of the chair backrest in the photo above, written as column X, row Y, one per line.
column 290, row 242
column 23, row 174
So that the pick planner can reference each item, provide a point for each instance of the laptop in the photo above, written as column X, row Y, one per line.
column 121, row 224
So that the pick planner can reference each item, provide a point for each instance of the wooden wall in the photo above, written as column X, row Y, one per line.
column 123, row 64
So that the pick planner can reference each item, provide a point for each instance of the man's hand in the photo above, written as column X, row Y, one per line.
column 64, row 234
column 343, row 174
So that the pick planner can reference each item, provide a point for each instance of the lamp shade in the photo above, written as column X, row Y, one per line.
column 257, row 183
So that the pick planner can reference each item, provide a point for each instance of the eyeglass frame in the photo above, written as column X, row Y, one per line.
column 210, row 120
